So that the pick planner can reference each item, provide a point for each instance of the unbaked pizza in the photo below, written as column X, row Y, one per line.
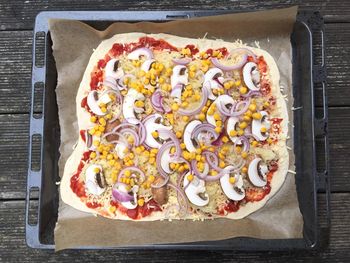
column 177, row 128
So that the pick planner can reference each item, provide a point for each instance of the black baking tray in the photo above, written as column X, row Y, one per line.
column 308, row 72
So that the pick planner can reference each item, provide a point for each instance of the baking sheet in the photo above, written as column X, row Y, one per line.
column 73, row 43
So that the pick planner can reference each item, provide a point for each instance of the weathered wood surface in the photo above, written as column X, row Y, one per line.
column 13, row 248
column 16, row 24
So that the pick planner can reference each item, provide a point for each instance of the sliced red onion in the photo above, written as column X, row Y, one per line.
column 110, row 82
column 219, row 175
column 115, row 117
column 244, row 141
column 181, row 194
column 212, row 160
column 223, row 109
column 223, row 67
column 133, row 133
column 198, row 108
column 181, row 61
column 157, row 101
column 165, row 181
column 115, row 92
column 121, row 136
column 176, row 89
column 165, row 107
column 244, row 50
column 174, row 139
column 134, row 169
column 143, row 51
column 206, row 128
column 218, row 142
column 251, row 93
column 200, row 76
column 198, row 173
column 244, row 105
column 121, row 196
column 160, row 153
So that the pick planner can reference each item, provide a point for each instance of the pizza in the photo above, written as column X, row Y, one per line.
column 177, row 128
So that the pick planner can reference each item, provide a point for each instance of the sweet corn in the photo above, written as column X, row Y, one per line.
column 96, row 170
column 175, row 107
column 141, row 202
column 201, row 116
column 218, row 123
column 184, row 104
column 217, row 129
column 152, row 160
column 222, row 164
column 240, row 132
column 217, row 117
column 238, row 83
column 103, row 109
column 183, row 146
column 139, row 104
column 243, row 125
column 256, row 115
column 243, row 90
column 232, row 180
column 244, row 155
column 92, row 155
column 247, row 118
column 112, row 209
column 266, row 104
column 224, row 139
column 238, row 149
column 178, row 134
column 227, row 85
column 151, row 178
column 93, row 119
column 263, row 129
column 190, row 177
column 233, row 133
column 213, row 172
column 244, row 170
column 155, row 134
column 252, row 107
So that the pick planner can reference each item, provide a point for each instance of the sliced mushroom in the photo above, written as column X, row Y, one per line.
column 130, row 204
column 95, row 183
column 108, row 128
column 222, row 99
column 93, row 102
column 146, row 66
column 212, row 80
column 153, row 124
column 257, row 172
column 129, row 107
column 121, row 150
column 188, row 141
column 138, row 53
column 195, row 191
column 179, row 76
column 113, row 70
column 231, row 124
column 233, row 191
column 160, row 195
column 251, row 76
column 258, row 124
column 165, row 161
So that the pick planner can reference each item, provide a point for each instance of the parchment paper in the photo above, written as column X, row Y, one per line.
column 73, row 43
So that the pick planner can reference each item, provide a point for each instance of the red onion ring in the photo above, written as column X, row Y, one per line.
column 134, row 169
column 133, row 133
column 175, row 141
column 115, row 92
column 244, row 141
column 198, row 108
column 204, row 127
column 160, row 153
column 157, row 102
column 251, row 93
column 223, row 109
column 119, row 195
column 146, row 51
column 235, row 110
column 183, row 196
column 213, row 160
column 223, row 67
column 198, row 173
column 166, row 180
column 245, row 50
column 121, row 136
column 181, row 61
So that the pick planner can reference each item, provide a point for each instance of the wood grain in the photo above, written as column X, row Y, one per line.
column 15, row 48
column 19, row 15
column 12, row 244
column 14, row 151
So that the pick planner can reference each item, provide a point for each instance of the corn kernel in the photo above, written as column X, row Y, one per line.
column 190, row 177
column 232, row 180
column 127, row 173
column 238, row 83
column 218, row 123
column 139, row 104
column 96, row 170
column 184, row 104
column 222, row 164
column 175, row 107
column 218, row 129
column 152, row 160
column 101, row 128
column 233, row 133
column 240, row 132
column 244, row 155
column 112, row 209
column 151, row 178
column 93, row 119
column 201, row 116
column 266, row 104
column 252, row 107
column 141, row 202
column 224, row 139
column 247, row 118
column 213, row 172
column 256, row 115
column 243, row 125
column 98, row 133
column 227, row 85
column 178, row 134
column 244, row 170
column 243, row 90
column 103, row 109
column 217, row 117
column 92, row 155
column 155, row 134
column 263, row 129
column 238, row 149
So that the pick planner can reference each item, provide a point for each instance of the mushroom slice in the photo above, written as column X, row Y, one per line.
column 121, row 148
column 113, row 70
column 137, row 53
column 212, row 80
column 129, row 107
column 188, row 141
column 160, row 195
column 95, row 182
column 93, row 103
column 165, row 161
column 195, row 191
column 257, row 172
column 222, row 99
column 152, row 124
column 234, row 191
column 258, row 124
column 179, row 76
column 146, row 66
column 251, row 76
column 231, row 125
column 130, row 204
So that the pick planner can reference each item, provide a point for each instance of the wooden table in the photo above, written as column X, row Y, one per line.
column 17, row 19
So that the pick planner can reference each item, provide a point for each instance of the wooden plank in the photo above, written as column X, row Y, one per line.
column 12, row 243
column 19, row 14
column 14, row 152
column 15, row 47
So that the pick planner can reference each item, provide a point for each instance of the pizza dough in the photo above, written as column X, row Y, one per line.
column 280, row 111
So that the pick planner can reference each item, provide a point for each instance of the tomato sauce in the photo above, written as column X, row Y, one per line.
column 193, row 49
column 276, row 124
column 140, row 211
column 77, row 185
column 82, row 135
